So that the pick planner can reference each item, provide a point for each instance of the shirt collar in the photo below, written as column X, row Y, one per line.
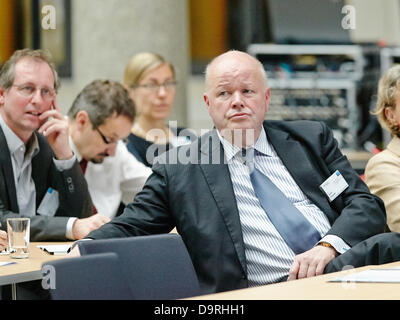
column 75, row 149
column 261, row 146
column 15, row 143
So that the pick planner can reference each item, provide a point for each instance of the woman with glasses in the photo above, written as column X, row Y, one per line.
column 150, row 81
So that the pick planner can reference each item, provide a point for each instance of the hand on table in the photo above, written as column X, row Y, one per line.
column 82, row 227
column 311, row 263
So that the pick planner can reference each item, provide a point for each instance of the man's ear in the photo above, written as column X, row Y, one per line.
column 267, row 98
column 82, row 120
column 1, row 96
column 207, row 101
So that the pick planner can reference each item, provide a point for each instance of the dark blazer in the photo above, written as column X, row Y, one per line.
column 74, row 199
column 199, row 200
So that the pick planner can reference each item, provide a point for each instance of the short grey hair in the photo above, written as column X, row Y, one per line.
column 101, row 99
column 7, row 73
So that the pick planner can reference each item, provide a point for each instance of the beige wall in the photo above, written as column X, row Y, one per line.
column 376, row 21
column 105, row 34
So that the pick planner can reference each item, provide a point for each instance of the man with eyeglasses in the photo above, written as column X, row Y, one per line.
column 100, row 117
column 39, row 175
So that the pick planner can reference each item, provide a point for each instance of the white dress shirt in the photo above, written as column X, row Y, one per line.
column 268, row 256
column 118, row 178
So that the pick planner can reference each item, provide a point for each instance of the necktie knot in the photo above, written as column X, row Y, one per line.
column 248, row 158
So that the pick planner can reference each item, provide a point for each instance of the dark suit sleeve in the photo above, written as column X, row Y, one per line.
column 74, row 194
column 361, row 214
column 147, row 214
column 42, row 228
column 74, row 201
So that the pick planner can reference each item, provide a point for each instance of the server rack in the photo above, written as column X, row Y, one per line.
column 315, row 82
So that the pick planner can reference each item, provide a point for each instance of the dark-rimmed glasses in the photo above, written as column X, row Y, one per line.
column 105, row 139
column 155, row 87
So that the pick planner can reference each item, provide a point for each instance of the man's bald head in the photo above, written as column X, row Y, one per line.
column 228, row 56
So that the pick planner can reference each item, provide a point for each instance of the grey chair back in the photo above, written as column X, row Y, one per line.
column 156, row 266
column 91, row 277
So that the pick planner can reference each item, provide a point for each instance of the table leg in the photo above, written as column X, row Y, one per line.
column 14, row 291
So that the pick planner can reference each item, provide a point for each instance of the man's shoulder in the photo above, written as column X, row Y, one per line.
column 295, row 125
column 189, row 153
column 311, row 133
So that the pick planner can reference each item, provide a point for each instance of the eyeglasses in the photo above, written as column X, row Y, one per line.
column 106, row 140
column 28, row 90
column 155, row 87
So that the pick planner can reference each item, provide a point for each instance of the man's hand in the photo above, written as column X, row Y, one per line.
column 3, row 240
column 55, row 129
column 311, row 263
column 82, row 227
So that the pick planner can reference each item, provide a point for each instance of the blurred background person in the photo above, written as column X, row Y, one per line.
column 382, row 173
column 100, row 117
column 151, row 83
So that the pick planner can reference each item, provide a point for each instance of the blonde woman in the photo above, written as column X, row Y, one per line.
column 151, row 83
column 382, row 173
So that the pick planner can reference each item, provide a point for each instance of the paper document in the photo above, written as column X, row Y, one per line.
column 387, row 275
column 56, row 249
column 6, row 263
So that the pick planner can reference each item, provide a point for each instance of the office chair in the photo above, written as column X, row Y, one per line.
column 156, row 266
column 92, row 277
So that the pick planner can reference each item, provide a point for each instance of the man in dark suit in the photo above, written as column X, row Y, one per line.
column 206, row 191
column 39, row 175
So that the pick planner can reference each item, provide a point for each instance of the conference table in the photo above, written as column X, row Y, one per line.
column 318, row 288
column 28, row 269
column 315, row 288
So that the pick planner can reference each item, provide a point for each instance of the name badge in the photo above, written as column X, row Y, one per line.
column 334, row 185
column 49, row 204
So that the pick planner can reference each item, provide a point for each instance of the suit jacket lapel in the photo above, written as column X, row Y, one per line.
column 218, row 178
column 299, row 166
column 40, row 169
column 8, row 173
